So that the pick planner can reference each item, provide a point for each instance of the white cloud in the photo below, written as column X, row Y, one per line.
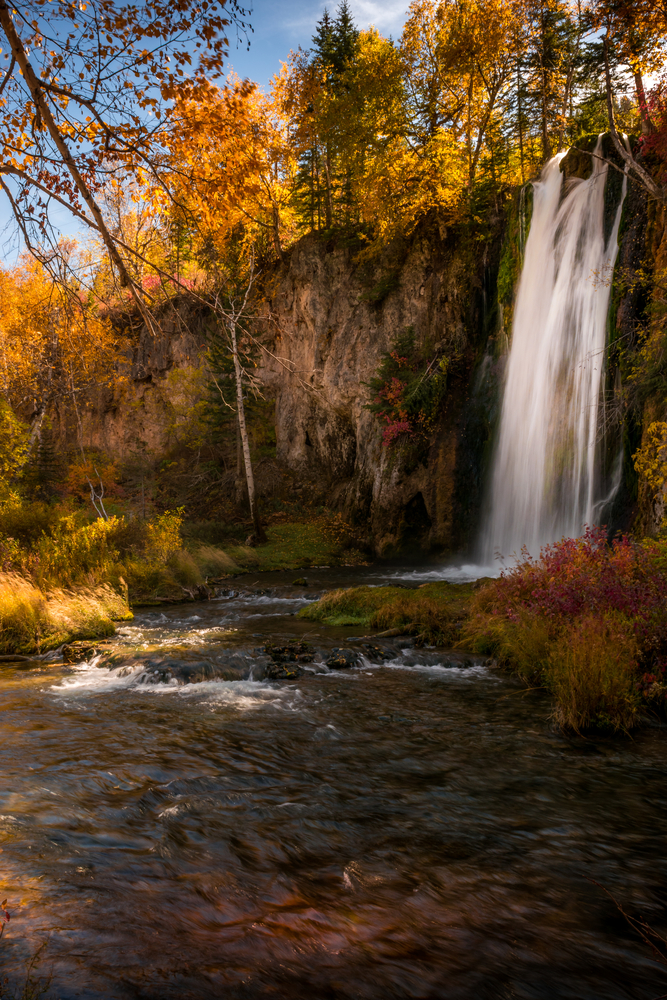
column 387, row 17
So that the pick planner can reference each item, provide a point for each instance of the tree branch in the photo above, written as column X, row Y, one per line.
column 644, row 177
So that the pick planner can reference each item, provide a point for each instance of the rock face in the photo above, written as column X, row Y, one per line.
column 325, row 322
column 329, row 336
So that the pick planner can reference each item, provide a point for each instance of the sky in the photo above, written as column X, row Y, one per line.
column 281, row 25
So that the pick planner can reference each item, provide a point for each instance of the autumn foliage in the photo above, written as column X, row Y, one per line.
column 587, row 617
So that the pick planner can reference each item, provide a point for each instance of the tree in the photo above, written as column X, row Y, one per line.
column 232, row 306
column 54, row 345
column 87, row 96
column 233, row 168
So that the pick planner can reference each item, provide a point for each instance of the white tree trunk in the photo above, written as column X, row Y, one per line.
column 243, row 431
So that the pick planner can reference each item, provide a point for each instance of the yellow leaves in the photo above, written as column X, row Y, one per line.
column 233, row 162
column 50, row 346
column 14, row 438
column 651, row 459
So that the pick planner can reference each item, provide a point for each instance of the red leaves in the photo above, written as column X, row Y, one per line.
column 582, row 576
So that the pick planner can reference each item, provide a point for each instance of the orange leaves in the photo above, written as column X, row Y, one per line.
column 109, row 71
column 232, row 162
column 51, row 345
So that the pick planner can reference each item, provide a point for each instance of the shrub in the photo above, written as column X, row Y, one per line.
column 407, row 390
column 520, row 641
column 76, row 554
column 586, row 618
column 25, row 521
column 146, row 580
column 163, row 535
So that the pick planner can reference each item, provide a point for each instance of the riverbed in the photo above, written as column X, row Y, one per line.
column 413, row 826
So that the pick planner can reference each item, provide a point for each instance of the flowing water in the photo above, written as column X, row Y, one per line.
column 178, row 826
column 544, row 482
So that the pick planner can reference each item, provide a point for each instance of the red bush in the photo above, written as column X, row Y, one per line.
column 588, row 575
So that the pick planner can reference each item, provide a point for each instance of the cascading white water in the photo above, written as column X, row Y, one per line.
column 544, row 480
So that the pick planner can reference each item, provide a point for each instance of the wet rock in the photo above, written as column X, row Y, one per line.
column 293, row 652
column 300, row 582
column 377, row 654
column 75, row 652
column 282, row 672
column 342, row 658
column 283, row 661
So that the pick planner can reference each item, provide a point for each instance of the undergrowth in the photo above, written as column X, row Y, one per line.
column 64, row 576
column 32, row 620
column 586, row 619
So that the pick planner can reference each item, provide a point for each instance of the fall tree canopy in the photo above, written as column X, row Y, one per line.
column 87, row 93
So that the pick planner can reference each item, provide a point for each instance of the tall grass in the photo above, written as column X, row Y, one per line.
column 433, row 612
column 33, row 621
column 592, row 672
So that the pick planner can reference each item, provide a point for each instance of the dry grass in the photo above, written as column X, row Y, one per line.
column 592, row 673
column 185, row 570
column 521, row 643
column 34, row 621
column 215, row 562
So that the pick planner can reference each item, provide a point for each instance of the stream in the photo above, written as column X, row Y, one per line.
column 180, row 826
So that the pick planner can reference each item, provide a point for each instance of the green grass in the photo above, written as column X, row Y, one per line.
column 294, row 546
column 433, row 612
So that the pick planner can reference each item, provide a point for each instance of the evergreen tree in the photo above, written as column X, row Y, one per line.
column 345, row 39
column 323, row 41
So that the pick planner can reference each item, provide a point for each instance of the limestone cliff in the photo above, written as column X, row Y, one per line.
column 325, row 321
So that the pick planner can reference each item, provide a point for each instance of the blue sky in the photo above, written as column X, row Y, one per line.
column 281, row 25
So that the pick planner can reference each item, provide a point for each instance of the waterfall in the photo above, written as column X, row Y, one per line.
column 544, row 471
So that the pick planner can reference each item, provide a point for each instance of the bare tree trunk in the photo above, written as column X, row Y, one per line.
column 519, row 119
column 260, row 534
column 276, row 232
column 647, row 125
column 312, row 190
column 36, row 429
column 329, row 204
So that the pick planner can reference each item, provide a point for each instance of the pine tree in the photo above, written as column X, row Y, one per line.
column 345, row 39
column 324, row 41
